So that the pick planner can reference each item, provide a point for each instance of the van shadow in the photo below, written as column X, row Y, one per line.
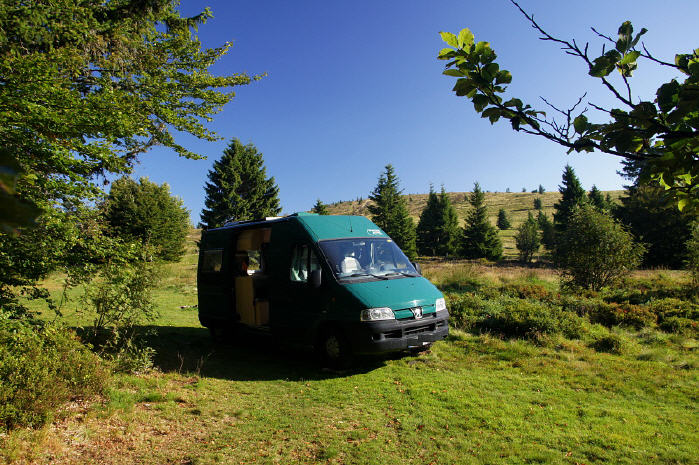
column 239, row 357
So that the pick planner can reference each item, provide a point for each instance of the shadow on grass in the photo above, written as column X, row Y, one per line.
column 239, row 357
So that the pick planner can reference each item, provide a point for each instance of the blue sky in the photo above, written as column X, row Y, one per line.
column 352, row 86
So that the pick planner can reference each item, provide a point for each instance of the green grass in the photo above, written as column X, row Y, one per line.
column 475, row 398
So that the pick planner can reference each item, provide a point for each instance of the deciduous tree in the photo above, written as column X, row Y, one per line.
column 146, row 212
column 527, row 239
column 595, row 251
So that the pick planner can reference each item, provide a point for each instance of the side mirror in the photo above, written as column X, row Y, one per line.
column 316, row 278
column 417, row 267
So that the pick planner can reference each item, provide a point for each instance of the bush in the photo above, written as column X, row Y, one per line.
column 512, row 317
column 611, row 343
column 42, row 367
column 594, row 251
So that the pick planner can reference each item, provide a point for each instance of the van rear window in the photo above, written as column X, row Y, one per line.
column 211, row 261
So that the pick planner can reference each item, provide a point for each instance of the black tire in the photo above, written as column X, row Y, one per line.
column 334, row 350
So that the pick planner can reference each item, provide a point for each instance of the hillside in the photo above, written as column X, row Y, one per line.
column 516, row 205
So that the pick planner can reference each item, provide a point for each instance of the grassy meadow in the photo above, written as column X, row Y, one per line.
column 516, row 204
column 552, row 382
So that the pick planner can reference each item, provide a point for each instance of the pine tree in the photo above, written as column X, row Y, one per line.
column 596, row 199
column 573, row 195
column 541, row 189
column 503, row 220
column 238, row 188
column 548, row 233
column 448, row 226
column 427, row 236
column 390, row 212
column 320, row 208
column 527, row 239
column 480, row 239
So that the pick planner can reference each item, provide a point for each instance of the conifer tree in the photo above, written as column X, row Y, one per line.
column 537, row 203
column 503, row 220
column 427, row 237
column 541, row 189
column 527, row 239
column 480, row 239
column 596, row 199
column 548, row 233
column 320, row 208
column 238, row 188
column 390, row 212
column 448, row 227
column 572, row 195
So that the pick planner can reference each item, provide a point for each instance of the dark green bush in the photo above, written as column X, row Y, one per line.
column 512, row 317
column 42, row 367
column 611, row 343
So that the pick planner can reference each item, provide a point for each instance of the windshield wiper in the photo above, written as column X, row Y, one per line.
column 364, row 273
column 403, row 273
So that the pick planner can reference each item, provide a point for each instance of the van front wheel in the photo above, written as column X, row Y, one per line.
column 334, row 350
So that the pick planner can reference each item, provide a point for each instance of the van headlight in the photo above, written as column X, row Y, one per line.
column 440, row 305
column 375, row 314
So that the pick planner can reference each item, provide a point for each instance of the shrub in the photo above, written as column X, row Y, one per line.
column 42, row 367
column 512, row 317
column 692, row 261
column 595, row 251
column 611, row 343
column 527, row 239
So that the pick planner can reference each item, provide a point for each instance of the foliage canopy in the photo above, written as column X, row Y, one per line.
column 661, row 131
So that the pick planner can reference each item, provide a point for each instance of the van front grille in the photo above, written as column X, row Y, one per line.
column 419, row 329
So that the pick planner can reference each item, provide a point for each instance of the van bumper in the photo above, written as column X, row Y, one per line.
column 376, row 337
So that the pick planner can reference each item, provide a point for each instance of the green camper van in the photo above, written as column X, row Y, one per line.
column 337, row 283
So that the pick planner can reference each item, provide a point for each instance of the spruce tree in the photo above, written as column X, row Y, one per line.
column 537, row 203
column 390, row 212
column 238, row 188
column 527, row 239
column 320, row 208
column 572, row 195
column 596, row 199
column 541, row 189
column 448, row 226
column 548, row 233
column 427, row 236
column 503, row 220
column 480, row 239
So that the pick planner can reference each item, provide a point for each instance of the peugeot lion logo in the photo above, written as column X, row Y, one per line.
column 417, row 312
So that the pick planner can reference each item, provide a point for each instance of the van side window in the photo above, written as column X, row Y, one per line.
column 299, row 264
column 211, row 261
column 303, row 261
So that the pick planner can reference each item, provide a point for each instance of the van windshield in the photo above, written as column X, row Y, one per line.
column 378, row 258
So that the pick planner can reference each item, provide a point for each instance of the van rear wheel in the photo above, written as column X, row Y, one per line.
column 334, row 349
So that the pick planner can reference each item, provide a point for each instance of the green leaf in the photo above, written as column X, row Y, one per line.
column 446, row 53
column 514, row 102
column 682, row 203
column 450, row 39
column 480, row 101
column 491, row 70
column 465, row 38
column 503, row 77
column 630, row 57
column 453, row 72
column 580, row 124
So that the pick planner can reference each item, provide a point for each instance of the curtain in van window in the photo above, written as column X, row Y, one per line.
column 299, row 264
